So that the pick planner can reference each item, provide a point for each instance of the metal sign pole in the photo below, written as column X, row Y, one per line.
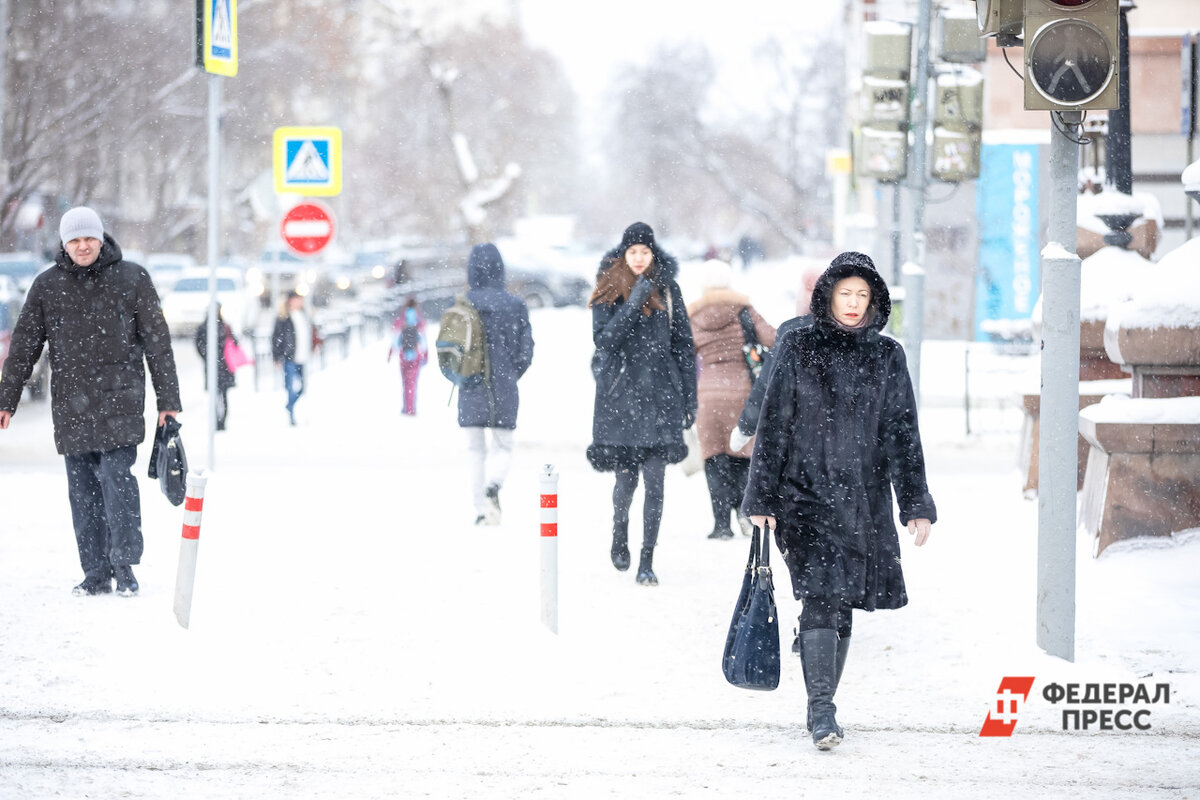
column 1058, row 453
column 214, row 219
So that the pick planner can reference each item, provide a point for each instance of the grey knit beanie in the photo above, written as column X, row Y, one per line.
column 80, row 222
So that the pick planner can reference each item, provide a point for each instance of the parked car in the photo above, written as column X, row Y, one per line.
column 185, row 306
column 22, row 267
column 167, row 268
column 547, row 277
column 11, row 300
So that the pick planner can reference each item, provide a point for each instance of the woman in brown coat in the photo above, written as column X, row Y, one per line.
column 723, row 387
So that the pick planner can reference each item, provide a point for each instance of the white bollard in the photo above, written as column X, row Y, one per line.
column 549, row 535
column 185, row 578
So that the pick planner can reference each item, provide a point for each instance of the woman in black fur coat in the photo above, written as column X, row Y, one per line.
column 645, row 371
column 838, row 431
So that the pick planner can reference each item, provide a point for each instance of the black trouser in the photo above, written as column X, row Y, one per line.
column 655, row 470
column 222, row 407
column 826, row 612
column 105, row 508
column 727, row 476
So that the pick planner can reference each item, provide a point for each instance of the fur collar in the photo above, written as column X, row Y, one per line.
column 714, row 297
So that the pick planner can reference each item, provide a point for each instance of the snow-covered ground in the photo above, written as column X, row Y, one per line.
column 353, row 635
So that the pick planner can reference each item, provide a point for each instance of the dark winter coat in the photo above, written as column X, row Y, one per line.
column 724, row 376
column 838, row 431
column 748, row 421
column 493, row 403
column 225, row 377
column 283, row 337
column 645, row 371
column 100, row 322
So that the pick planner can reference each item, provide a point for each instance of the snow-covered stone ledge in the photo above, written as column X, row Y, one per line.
column 1143, row 469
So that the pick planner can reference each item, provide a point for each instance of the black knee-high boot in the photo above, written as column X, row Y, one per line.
column 843, row 647
column 715, row 472
column 645, row 573
column 818, row 655
column 620, row 544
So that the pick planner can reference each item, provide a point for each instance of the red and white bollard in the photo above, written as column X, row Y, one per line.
column 549, row 535
column 185, row 578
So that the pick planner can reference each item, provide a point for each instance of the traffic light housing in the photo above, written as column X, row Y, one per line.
column 1071, row 54
column 882, row 141
column 1001, row 19
column 957, row 125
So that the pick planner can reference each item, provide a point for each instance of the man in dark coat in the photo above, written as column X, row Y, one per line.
column 101, row 317
column 838, row 431
column 489, row 403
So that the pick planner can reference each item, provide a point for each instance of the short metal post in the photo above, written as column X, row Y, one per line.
column 189, row 546
column 549, row 536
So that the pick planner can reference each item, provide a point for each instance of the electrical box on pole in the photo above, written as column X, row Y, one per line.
column 957, row 125
column 1071, row 54
column 885, row 101
column 1001, row 19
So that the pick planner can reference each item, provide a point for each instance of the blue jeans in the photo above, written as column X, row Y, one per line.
column 293, row 381
column 105, row 508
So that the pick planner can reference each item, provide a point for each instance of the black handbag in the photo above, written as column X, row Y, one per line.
column 168, row 461
column 753, row 350
column 751, row 658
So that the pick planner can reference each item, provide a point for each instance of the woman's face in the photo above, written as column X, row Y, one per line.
column 851, row 296
column 639, row 257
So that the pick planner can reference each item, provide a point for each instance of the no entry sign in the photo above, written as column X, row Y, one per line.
column 307, row 228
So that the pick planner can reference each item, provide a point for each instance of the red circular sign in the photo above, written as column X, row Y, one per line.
column 307, row 228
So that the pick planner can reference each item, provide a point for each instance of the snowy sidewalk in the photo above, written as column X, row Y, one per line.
column 353, row 635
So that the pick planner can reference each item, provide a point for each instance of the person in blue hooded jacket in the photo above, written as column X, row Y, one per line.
column 645, row 371
column 491, row 405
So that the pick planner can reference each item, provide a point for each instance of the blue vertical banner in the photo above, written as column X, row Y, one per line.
column 1006, row 280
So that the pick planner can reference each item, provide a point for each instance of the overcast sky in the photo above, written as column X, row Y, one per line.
column 595, row 39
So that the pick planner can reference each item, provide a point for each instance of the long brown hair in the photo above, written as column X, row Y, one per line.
column 616, row 281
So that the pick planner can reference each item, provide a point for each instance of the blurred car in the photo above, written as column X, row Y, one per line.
column 185, row 305
column 167, row 268
column 548, row 277
column 22, row 267
column 11, row 299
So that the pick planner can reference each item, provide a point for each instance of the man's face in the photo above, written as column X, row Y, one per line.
column 83, row 251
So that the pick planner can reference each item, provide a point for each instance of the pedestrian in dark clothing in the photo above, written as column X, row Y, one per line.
column 293, row 342
column 645, row 371
column 748, row 421
column 225, row 376
column 491, row 404
column 101, row 317
column 838, row 432
column 717, row 327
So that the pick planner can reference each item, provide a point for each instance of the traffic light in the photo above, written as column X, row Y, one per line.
column 1071, row 54
column 883, row 135
column 1002, row 19
column 957, row 124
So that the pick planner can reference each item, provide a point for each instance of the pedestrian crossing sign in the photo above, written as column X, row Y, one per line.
column 308, row 161
column 218, row 36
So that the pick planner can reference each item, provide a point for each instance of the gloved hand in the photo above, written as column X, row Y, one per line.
column 737, row 439
column 641, row 290
column 689, row 419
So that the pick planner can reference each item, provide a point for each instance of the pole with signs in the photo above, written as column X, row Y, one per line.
column 216, row 54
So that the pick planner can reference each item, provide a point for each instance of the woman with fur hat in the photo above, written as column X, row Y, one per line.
column 645, row 371
column 725, row 381
column 837, row 433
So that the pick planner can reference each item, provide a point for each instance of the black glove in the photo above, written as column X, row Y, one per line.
column 641, row 290
column 657, row 278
